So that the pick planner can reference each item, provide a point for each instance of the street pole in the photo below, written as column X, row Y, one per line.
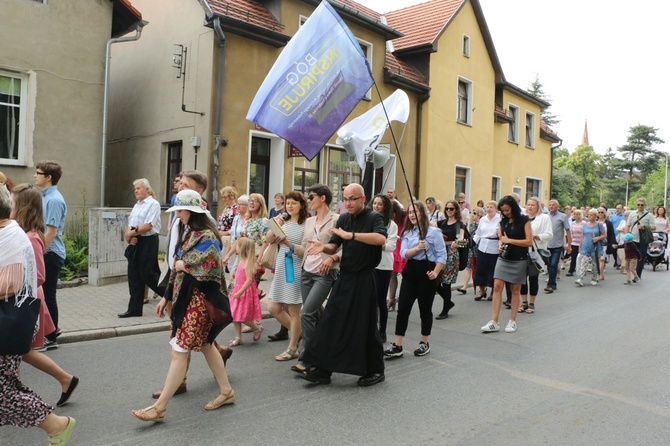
column 665, row 188
column 626, row 192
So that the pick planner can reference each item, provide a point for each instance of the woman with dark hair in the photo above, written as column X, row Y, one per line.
column 399, row 217
column 434, row 214
column 452, row 232
column 285, row 293
column 382, row 205
column 195, row 279
column 515, row 236
column 540, row 224
column 27, row 212
column 20, row 406
column 425, row 252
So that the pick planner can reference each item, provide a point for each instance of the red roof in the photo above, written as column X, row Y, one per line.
column 248, row 11
column 365, row 10
column 422, row 24
column 131, row 9
column 398, row 67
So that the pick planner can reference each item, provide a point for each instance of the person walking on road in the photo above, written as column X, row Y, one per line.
column 347, row 339
column 640, row 220
column 560, row 226
column 195, row 279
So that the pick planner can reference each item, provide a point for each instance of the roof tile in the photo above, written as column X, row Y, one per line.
column 248, row 11
column 398, row 67
column 421, row 24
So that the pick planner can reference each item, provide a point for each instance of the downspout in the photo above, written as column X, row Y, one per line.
column 419, row 131
column 103, row 167
column 551, row 178
column 217, row 118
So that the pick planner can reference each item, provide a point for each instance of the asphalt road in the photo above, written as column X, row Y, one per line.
column 590, row 367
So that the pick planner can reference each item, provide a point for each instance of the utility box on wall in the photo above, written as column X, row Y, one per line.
column 106, row 247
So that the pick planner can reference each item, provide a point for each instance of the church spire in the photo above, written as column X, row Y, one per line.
column 585, row 137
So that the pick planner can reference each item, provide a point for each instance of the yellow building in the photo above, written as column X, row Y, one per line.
column 181, row 93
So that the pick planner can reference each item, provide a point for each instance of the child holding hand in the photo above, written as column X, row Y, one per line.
column 245, row 307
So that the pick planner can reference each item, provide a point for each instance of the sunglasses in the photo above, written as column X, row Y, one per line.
column 449, row 209
column 37, row 172
column 310, row 197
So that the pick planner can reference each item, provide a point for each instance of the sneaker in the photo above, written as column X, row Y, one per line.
column 50, row 345
column 579, row 282
column 636, row 279
column 423, row 349
column 627, row 282
column 41, row 349
column 490, row 327
column 394, row 351
column 594, row 282
column 511, row 327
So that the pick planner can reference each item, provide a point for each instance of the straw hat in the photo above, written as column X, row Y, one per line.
column 188, row 200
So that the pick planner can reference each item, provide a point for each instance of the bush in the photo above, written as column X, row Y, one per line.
column 75, row 239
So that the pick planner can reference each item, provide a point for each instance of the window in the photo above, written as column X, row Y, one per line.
column 533, row 188
column 341, row 171
column 461, row 181
column 517, row 190
column 513, row 129
column 259, row 168
column 530, row 130
column 464, row 112
column 495, row 188
column 173, row 167
column 13, row 93
column 466, row 45
column 305, row 172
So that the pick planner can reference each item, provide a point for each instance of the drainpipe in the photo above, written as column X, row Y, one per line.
column 551, row 177
column 217, row 119
column 419, row 131
column 103, row 167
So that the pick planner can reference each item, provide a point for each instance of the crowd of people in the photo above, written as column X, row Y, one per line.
column 352, row 258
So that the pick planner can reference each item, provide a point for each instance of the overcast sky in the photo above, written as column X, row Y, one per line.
column 602, row 61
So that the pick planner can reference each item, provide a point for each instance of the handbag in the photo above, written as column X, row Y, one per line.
column 17, row 325
column 463, row 248
column 269, row 256
column 646, row 236
column 535, row 262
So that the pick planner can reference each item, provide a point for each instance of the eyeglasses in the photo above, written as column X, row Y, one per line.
column 601, row 212
column 461, row 202
column 351, row 199
column 311, row 197
column 37, row 172
column 176, row 180
column 449, row 209
column 253, row 200
column 640, row 204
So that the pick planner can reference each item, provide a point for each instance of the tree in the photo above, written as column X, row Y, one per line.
column 565, row 185
column 584, row 162
column 639, row 153
column 537, row 90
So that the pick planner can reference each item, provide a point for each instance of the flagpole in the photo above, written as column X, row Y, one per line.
column 402, row 164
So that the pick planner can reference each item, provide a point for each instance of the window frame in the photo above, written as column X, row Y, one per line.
column 303, row 171
column 496, row 190
column 465, row 178
column 173, row 166
column 21, row 155
column 513, row 129
column 539, row 188
column 530, row 130
column 353, row 175
column 469, row 85
column 466, row 45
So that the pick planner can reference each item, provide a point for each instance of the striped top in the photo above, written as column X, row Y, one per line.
column 280, row 291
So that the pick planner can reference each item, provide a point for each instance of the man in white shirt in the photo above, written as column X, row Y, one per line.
column 144, row 224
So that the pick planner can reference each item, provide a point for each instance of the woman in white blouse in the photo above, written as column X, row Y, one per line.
column 486, row 238
column 541, row 225
column 434, row 213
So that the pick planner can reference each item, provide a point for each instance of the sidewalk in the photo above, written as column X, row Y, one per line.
column 87, row 312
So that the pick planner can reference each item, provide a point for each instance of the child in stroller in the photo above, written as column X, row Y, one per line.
column 656, row 250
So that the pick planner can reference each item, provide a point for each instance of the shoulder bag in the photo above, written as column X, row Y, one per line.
column 646, row 236
column 17, row 325
column 535, row 262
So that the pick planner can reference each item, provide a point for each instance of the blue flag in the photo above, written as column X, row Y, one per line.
column 315, row 83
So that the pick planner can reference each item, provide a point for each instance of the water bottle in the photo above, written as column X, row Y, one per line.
column 288, row 266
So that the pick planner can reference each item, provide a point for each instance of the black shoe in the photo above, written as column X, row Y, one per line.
column 50, row 345
column 507, row 304
column 480, row 297
column 394, row 351
column 442, row 316
column 445, row 312
column 65, row 396
column 423, row 350
column 129, row 314
column 317, row 376
column 461, row 291
column 281, row 335
column 569, row 274
column 371, row 379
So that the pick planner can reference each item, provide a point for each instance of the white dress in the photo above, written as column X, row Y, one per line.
column 281, row 291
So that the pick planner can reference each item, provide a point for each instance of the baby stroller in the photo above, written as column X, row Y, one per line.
column 656, row 251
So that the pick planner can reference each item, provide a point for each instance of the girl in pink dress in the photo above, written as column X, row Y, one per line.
column 245, row 307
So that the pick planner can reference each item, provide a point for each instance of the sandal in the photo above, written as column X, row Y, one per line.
column 298, row 368
column 146, row 414
column 221, row 400
column 523, row 307
column 287, row 355
column 235, row 342
column 246, row 329
column 531, row 308
column 258, row 333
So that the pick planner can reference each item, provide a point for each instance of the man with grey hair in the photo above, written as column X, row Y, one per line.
column 144, row 224
column 562, row 241
column 517, row 197
column 640, row 219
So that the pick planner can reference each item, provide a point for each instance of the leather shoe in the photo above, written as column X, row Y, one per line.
column 225, row 353
column 371, row 379
column 442, row 316
column 316, row 376
column 129, row 314
column 281, row 335
column 181, row 389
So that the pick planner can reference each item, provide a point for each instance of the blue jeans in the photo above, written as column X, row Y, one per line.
column 315, row 288
column 553, row 265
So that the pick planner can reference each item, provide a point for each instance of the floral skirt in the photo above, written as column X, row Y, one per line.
column 194, row 329
column 19, row 406
column 450, row 269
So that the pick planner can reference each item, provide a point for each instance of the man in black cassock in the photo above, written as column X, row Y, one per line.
column 347, row 338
